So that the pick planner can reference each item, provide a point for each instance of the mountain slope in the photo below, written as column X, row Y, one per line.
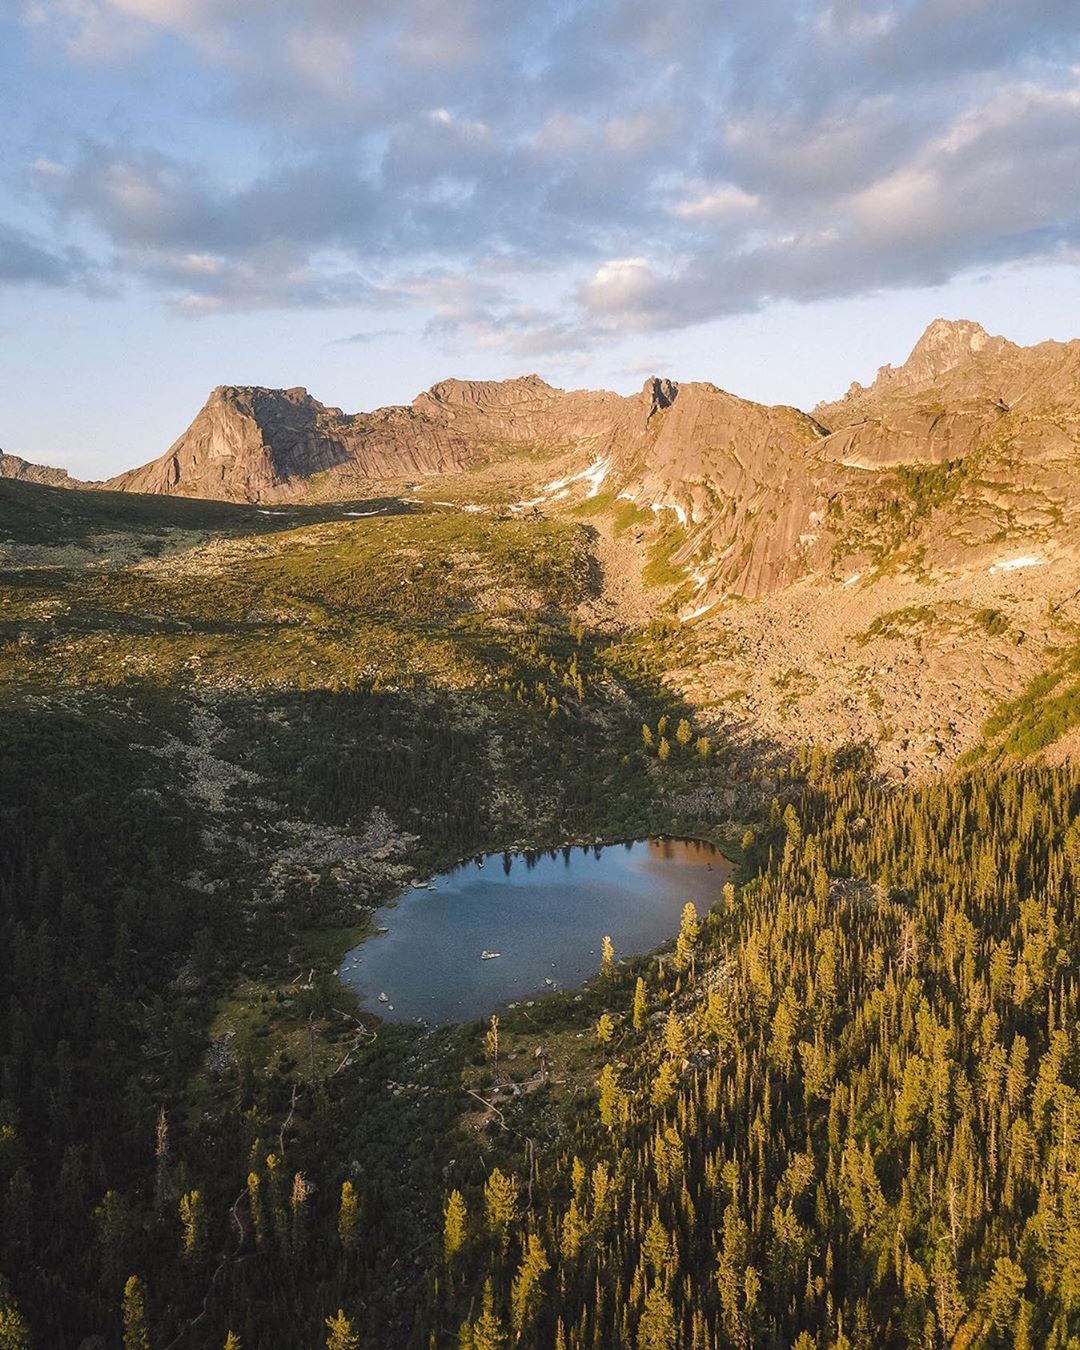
column 252, row 445
column 12, row 466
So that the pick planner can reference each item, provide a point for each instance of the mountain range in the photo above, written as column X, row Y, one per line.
column 911, row 548
column 762, row 495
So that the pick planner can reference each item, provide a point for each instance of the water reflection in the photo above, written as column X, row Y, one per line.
column 543, row 912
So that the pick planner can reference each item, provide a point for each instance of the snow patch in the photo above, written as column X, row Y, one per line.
column 361, row 513
column 559, row 488
column 594, row 475
column 680, row 511
column 1012, row 564
column 697, row 613
column 851, row 580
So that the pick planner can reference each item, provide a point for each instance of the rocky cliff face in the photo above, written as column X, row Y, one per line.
column 253, row 445
column 265, row 444
column 11, row 466
column 945, row 345
column 739, row 486
column 1000, row 422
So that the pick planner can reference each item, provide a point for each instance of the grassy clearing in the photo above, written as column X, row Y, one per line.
column 327, row 604
column 1047, row 709
column 31, row 513
column 660, row 568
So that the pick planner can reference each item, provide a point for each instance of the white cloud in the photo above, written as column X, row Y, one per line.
column 620, row 285
column 718, row 203
column 899, row 203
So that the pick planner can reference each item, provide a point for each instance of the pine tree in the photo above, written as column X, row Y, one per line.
column 689, row 930
column 136, row 1327
column 572, row 1232
column 665, row 1084
column 161, row 1156
column 657, row 1329
column 674, row 1036
column 455, row 1224
column 525, row 1290
column 14, row 1333
column 607, row 957
column 1003, row 1293
column 255, row 1207
column 657, row 1248
column 299, row 1195
column 348, row 1217
column 640, row 1004
column 612, row 1098
column 486, row 1333
column 500, row 1204
column 491, row 1041
column 605, row 1028
column 341, row 1335
column 192, row 1223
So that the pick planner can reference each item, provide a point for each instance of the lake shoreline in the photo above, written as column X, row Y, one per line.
column 536, row 926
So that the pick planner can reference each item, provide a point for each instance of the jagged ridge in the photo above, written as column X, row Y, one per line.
column 759, row 493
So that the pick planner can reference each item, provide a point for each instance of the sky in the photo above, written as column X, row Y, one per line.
column 365, row 198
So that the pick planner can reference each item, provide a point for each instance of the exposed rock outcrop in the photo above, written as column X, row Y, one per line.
column 253, row 445
column 12, row 466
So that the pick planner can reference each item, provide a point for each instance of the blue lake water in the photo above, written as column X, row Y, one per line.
column 545, row 914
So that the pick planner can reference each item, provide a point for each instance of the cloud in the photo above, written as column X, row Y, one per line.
column 362, row 339
column 28, row 261
column 718, row 203
column 546, row 177
column 621, row 286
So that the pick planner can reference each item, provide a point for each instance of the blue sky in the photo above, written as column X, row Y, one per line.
column 366, row 198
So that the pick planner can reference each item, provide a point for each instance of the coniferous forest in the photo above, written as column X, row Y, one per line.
column 841, row 1110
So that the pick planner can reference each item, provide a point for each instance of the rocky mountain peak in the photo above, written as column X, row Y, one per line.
column 946, row 345
column 943, row 345
column 452, row 395
column 660, row 393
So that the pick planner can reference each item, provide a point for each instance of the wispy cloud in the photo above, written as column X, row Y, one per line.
column 362, row 339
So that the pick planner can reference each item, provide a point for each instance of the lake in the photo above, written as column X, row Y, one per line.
column 543, row 913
